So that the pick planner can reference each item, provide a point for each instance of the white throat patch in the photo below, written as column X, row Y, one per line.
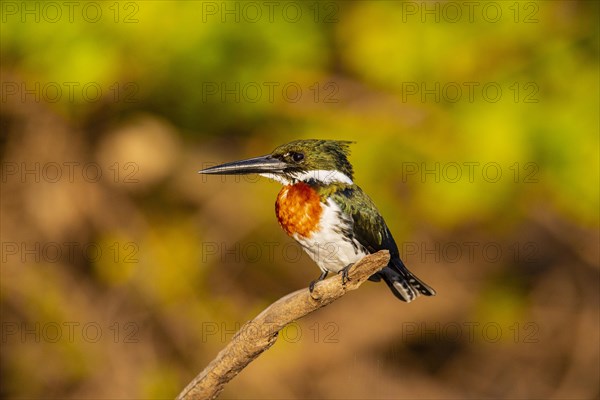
column 320, row 175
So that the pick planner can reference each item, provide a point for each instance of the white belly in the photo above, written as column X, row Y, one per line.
column 329, row 247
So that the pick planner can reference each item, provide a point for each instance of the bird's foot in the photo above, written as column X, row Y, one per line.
column 323, row 275
column 344, row 271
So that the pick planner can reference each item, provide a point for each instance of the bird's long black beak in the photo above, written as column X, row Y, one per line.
column 257, row 165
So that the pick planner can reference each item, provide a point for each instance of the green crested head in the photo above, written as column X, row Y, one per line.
column 303, row 156
column 309, row 160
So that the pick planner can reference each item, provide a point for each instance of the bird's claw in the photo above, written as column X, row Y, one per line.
column 345, row 277
column 311, row 286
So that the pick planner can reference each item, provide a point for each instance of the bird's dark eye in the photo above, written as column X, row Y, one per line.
column 297, row 157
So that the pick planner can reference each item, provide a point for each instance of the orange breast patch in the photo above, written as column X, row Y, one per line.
column 298, row 208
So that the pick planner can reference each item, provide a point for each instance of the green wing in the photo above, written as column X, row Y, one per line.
column 369, row 228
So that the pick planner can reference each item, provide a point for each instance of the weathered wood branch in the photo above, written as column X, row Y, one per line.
column 260, row 333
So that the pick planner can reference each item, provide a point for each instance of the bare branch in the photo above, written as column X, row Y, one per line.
column 260, row 333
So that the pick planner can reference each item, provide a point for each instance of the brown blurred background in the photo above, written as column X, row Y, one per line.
column 124, row 272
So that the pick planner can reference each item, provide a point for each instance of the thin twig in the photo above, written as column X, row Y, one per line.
column 260, row 333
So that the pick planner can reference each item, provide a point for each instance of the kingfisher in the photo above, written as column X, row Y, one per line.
column 322, row 208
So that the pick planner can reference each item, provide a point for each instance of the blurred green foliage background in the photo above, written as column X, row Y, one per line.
column 477, row 135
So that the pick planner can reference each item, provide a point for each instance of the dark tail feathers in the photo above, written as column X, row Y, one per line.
column 402, row 282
